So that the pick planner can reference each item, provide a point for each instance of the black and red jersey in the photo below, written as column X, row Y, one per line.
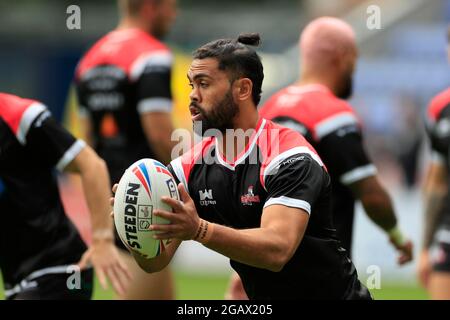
column 125, row 74
column 36, row 236
column 278, row 166
column 332, row 127
column 438, row 129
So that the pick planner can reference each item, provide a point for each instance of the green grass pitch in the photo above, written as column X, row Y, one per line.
column 212, row 287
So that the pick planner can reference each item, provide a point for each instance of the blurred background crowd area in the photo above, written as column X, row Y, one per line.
column 402, row 66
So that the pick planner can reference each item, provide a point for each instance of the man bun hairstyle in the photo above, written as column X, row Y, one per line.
column 250, row 39
column 238, row 59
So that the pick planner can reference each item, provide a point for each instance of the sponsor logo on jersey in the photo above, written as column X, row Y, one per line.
column 249, row 198
column 206, row 197
column 105, row 101
column 292, row 160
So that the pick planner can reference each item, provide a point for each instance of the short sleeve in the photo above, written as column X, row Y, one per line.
column 153, row 84
column 51, row 143
column 343, row 152
column 297, row 182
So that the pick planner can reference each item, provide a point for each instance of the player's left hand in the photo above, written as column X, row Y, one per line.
column 107, row 263
column 184, row 220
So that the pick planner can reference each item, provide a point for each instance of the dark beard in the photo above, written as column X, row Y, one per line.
column 220, row 117
column 346, row 90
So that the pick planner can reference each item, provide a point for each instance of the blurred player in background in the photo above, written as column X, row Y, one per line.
column 313, row 107
column 434, row 262
column 39, row 245
column 124, row 91
column 264, row 203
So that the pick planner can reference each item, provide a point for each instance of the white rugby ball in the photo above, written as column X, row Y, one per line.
column 138, row 194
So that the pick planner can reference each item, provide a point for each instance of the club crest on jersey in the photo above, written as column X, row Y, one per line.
column 249, row 198
column 206, row 197
column 142, row 174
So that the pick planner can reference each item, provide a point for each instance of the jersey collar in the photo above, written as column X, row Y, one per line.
column 247, row 150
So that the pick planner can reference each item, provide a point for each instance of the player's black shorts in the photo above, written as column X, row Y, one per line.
column 357, row 291
column 55, row 287
column 440, row 250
